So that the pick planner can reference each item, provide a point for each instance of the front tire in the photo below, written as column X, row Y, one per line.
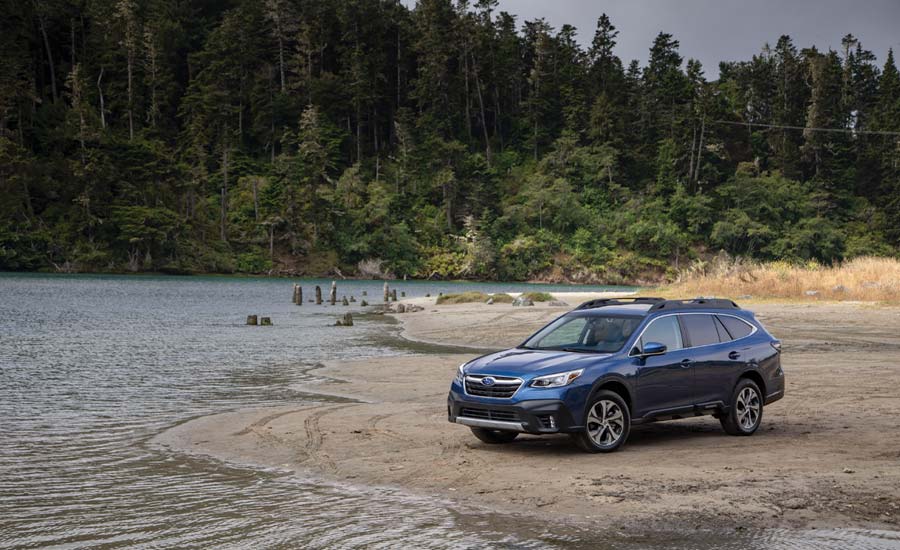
column 494, row 437
column 745, row 411
column 607, row 424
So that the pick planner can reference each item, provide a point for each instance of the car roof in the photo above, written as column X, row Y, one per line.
column 632, row 310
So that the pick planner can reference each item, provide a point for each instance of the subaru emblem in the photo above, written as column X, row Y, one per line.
column 488, row 381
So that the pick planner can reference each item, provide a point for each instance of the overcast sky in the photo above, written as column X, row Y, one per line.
column 723, row 30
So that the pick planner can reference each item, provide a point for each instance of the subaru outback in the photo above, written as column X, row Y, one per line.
column 612, row 363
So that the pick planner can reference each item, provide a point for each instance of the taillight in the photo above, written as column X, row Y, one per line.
column 776, row 344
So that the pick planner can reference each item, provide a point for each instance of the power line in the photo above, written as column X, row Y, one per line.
column 804, row 128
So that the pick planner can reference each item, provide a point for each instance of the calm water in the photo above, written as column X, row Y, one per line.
column 91, row 368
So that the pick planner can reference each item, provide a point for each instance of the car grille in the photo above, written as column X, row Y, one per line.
column 503, row 387
column 489, row 414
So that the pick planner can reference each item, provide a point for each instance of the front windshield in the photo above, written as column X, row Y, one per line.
column 586, row 334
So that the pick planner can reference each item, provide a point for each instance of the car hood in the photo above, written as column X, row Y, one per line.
column 525, row 362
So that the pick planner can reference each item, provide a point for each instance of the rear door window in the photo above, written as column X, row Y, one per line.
column 736, row 327
column 701, row 329
column 664, row 331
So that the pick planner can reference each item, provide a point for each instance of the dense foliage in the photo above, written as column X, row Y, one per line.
column 308, row 136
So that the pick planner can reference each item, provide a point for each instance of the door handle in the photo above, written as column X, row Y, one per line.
column 733, row 355
column 685, row 363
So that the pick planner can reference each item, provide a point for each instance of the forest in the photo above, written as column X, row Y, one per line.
column 448, row 140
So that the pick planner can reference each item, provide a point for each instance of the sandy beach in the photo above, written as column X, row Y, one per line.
column 827, row 455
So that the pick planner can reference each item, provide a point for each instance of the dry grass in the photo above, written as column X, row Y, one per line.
column 864, row 279
column 469, row 297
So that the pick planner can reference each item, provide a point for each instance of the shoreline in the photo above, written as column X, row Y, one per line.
column 794, row 473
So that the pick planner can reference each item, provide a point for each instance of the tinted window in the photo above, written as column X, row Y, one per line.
column 736, row 327
column 665, row 331
column 701, row 329
column 724, row 336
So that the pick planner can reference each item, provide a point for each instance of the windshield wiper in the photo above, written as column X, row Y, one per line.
column 581, row 350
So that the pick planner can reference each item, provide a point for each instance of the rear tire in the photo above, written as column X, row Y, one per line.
column 745, row 410
column 607, row 423
column 494, row 437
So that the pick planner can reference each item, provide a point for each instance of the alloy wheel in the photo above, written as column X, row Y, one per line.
column 605, row 423
column 748, row 407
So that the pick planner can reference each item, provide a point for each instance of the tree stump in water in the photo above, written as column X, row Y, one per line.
column 403, row 294
column 318, row 295
column 364, row 303
column 251, row 320
column 394, row 295
column 365, row 293
column 344, row 301
column 294, row 296
column 265, row 322
column 345, row 321
column 352, row 299
column 333, row 296
column 298, row 295
column 387, row 292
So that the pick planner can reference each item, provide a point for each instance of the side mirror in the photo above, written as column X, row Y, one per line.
column 653, row 348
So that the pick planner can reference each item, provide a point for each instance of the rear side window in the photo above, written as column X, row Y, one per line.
column 701, row 329
column 664, row 331
column 736, row 327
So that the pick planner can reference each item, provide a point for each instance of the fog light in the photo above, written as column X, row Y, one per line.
column 552, row 423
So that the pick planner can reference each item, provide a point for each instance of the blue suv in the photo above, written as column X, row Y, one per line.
column 611, row 363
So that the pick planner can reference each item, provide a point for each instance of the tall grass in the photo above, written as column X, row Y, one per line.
column 864, row 278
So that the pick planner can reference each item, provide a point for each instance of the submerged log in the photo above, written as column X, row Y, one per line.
column 318, row 295
column 251, row 320
column 345, row 321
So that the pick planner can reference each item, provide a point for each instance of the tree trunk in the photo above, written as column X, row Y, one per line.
column 699, row 150
column 49, row 55
column 255, row 201
column 130, row 97
column 224, row 206
column 281, row 59
column 487, row 141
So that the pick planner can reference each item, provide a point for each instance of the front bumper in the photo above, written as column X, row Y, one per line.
column 536, row 416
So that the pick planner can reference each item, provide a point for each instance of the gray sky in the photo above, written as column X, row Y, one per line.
column 723, row 30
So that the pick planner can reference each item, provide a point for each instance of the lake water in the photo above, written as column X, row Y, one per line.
column 92, row 367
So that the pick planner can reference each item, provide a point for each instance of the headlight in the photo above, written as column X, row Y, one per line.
column 461, row 373
column 556, row 380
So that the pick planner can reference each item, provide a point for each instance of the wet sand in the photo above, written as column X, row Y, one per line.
column 827, row 455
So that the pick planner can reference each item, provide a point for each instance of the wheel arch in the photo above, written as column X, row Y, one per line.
column 757, row 378
column 617, row 386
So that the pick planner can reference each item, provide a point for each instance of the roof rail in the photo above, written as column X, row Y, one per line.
column 695, row 303
column 602, row 302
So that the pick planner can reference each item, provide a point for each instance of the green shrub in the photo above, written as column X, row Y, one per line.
column 253, row 262
column 470, row 297
column 538, row 296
